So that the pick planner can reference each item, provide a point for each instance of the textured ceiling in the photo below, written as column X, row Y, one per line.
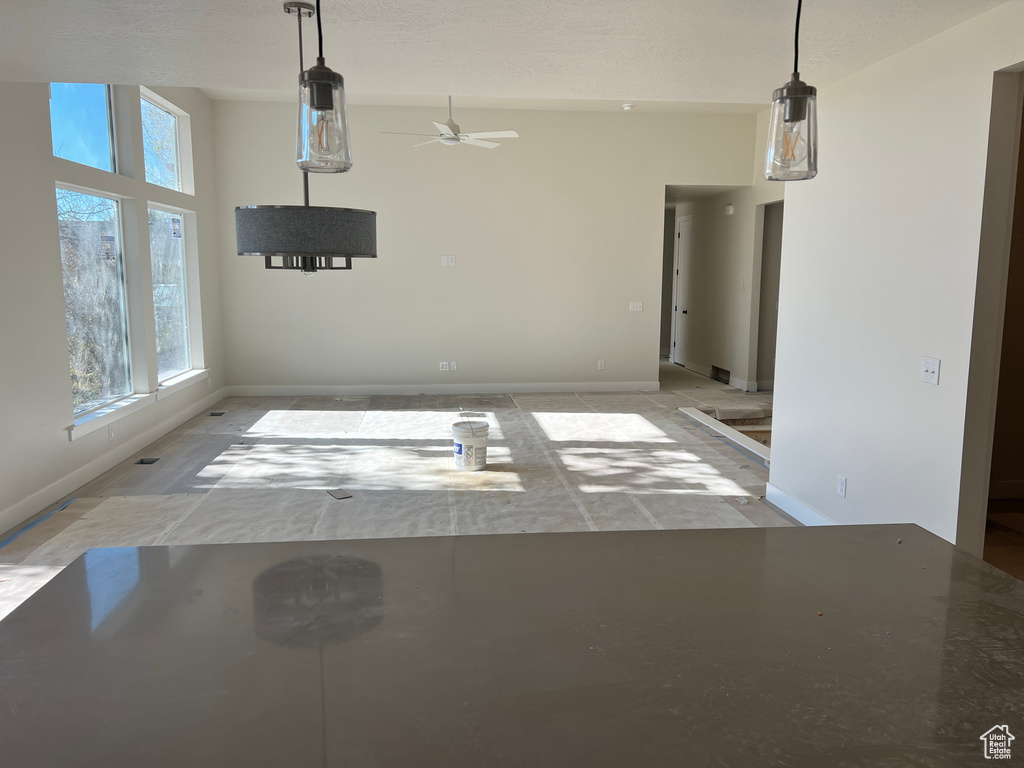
column 482, row 51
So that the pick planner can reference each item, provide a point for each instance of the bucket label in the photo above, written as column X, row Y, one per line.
column 469, row 454
column 458, row 449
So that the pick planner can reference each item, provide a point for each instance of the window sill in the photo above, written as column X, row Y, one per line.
column 96, row 420
column 181, row 381
column 103, row 417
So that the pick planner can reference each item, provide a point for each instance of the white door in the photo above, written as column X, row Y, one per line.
column 681, row 289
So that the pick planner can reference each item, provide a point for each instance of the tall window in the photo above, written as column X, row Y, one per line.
column 108, row 257
column 81, row 124
column 160, row 145
column 170, row 302
column 94, row 297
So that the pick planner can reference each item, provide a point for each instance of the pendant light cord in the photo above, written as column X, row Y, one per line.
column 320, row 29
column 796, row 40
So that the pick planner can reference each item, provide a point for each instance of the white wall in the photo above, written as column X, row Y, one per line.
column 880, row 268
column 38, row 463
column 722, row 286
column 554, row 234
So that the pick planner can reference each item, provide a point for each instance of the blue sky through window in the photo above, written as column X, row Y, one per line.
column 80, row 124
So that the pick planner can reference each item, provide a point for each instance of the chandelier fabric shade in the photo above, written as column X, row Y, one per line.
column 298, row 230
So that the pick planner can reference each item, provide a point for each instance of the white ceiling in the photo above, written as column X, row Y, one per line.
column 484, row 52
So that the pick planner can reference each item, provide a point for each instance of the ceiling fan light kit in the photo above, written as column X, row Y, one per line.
column 792, row 153
column 304, row 237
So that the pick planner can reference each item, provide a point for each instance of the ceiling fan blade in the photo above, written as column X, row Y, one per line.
column 492, row 135
column 425, row 142
column 479, row 143
column 444, row 129
column 399, row 133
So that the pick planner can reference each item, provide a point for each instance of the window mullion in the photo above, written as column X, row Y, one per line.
column 138, row 282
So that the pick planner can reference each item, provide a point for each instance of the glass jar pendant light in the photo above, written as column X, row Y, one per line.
column 322, row 144
column 303, row 237
column 792, row 153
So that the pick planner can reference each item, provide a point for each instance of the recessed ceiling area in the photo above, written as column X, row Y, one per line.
column 675, row 194
column 646, row 52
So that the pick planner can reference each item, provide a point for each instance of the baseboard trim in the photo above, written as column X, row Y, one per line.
column 794, row 508
column 703, row 370
column 746, row 386
column 20, row 511
column 1006, row 489
column 304, row 390
column 766, row 386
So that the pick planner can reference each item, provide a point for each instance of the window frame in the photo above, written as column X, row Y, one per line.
column 183, row 142
column 191, row 286
column 112, row 131
column 134, row 195
column 123, row 280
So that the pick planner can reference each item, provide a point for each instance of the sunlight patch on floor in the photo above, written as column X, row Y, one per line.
column 600, row 427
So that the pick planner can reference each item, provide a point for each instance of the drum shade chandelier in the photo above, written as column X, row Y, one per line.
column 793, row 135
column 304, row 237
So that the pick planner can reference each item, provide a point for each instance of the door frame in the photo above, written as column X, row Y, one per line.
column 680, row 289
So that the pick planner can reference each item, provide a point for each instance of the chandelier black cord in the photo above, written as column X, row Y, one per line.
column 796, row 42
column 320, row 29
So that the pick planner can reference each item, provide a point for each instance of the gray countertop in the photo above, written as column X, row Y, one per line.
column 840, row 646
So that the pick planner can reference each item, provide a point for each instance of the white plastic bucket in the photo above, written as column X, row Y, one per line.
column 469, row 441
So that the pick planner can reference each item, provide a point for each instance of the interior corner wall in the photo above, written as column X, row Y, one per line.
column 38, row 464
column 554, row 234
column 881, row 268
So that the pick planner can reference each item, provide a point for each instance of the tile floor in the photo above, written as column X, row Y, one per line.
column 556, row 462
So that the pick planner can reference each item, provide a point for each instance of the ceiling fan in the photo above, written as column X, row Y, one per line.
column 452, row 135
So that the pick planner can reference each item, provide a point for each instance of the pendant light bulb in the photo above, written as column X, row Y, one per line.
column 793, row 136
column 322, row 144
column 792, row 153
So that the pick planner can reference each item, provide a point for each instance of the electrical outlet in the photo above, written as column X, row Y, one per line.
column 930, row 371
column 841, row 487
column 453, row 365
column 636, row 306
column 110, row 434
column 600, row 365
column 444, row 366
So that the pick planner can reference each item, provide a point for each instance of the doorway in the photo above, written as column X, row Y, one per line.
column 768, row 306
column 1004, row 524
column 682, row 243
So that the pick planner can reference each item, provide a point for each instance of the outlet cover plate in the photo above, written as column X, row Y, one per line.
column 930, row 370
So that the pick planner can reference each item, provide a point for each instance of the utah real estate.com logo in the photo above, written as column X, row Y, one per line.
column 997, row 742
